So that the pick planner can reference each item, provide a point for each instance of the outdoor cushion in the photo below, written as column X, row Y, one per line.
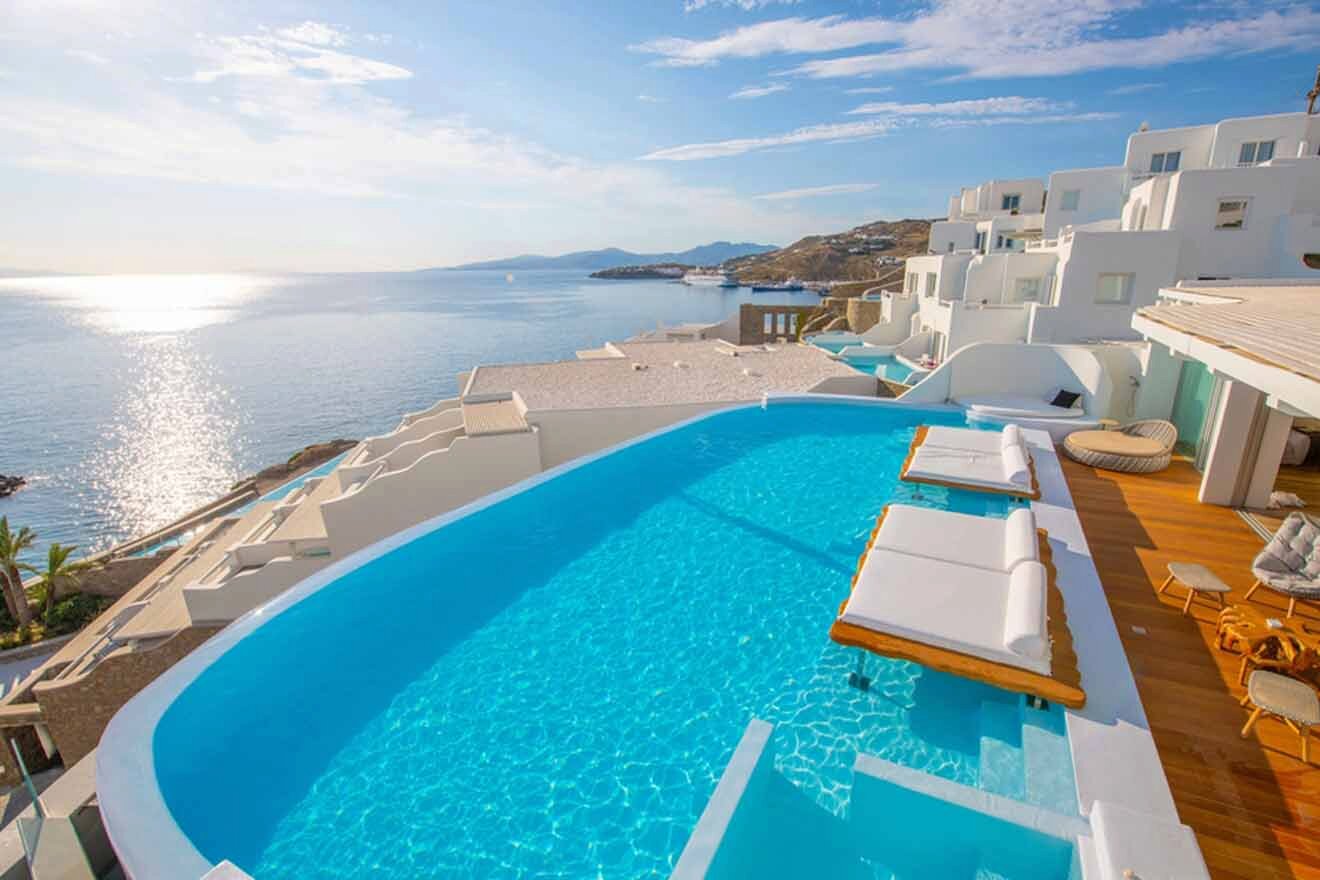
column 1292, row 557
column 1116, row 443
column 1065, row 399
column 1017, row 406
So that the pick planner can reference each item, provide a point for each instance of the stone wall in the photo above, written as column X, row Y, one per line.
column 863, row 314
column 115, row 577
column 786, row 321
column 77, row 710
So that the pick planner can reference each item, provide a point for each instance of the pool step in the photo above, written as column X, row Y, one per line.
column 1001, row 759
column 1048, row 761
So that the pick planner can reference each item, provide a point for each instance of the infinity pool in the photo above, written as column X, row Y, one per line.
column 552, row 685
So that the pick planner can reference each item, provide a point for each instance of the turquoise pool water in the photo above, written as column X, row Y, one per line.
column 553, row 685
column 886, row 367
column 833, row 346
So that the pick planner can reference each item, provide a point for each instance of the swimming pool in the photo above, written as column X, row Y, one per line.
column 553, row 684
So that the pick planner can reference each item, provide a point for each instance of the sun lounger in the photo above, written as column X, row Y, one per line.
column 987, row 461
column 966, row 595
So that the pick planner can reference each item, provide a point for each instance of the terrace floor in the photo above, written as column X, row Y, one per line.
column 1254, row 805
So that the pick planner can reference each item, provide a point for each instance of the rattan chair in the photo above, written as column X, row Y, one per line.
column 1290, row 562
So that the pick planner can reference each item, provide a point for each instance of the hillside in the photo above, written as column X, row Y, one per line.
column 862, row 253
column 609, row 258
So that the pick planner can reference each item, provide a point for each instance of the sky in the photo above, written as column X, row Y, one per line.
column 181, row 135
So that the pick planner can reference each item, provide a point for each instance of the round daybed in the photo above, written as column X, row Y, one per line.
column 1139, row 448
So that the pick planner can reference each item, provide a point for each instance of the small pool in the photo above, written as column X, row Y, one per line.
column 835, row 344
column 552, row 685
column 884, row 366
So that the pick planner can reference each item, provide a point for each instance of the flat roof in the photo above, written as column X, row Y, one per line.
column 711, row 371
column 1276, row 324
column 1266, row 335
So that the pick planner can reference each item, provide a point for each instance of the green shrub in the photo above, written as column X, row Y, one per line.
column 74, row 612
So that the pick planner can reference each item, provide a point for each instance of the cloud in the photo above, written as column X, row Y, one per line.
column 811, row 192
column 789, row 35
column 837, row 132
column 1135, row 88
column 1012, row 104
column 978, row 39
column 869, row 90
column 87, row 55
column 650, row 99
column 744, row 5
column 279, row 54
column 315, row 33
column 952, row 114
column 759, row 91
column 288, row 137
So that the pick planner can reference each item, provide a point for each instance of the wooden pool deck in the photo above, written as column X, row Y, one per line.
column 1254, row 805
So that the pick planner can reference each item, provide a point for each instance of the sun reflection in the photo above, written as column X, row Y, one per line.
column 174, row 443
column 148, row 303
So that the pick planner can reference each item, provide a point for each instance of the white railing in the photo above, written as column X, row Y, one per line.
column 418, row 428
column 434, row 409
column 406, row 453
column 255, row 555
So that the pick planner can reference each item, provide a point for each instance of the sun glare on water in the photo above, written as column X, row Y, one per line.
column 148, row 303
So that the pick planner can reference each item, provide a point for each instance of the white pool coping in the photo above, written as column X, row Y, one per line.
column 1114, row 755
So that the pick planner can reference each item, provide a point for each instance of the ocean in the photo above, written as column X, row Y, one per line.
column 130, row 400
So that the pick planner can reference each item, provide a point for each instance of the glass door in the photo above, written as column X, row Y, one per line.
column 1193, row 409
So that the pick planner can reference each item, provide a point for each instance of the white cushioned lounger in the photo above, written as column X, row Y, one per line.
column 994, row 615
column 1017, row 406
column 995, row 460
column 977, row 541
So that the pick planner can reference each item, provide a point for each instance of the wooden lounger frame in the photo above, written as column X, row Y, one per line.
column 1063, row 685
column 920, row 438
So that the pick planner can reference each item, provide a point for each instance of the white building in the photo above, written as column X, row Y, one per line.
column 1016, row 262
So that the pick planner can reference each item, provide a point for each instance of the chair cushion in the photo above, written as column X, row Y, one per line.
column 1292, row 557
column 1115, row 443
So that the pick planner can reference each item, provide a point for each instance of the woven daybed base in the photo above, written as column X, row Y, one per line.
column 1151, row 447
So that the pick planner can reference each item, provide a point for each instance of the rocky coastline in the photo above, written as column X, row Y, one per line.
column 637, row 273
column 10, row 484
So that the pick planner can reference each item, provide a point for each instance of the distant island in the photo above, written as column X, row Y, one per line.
column 649, row 271
column 612, row 258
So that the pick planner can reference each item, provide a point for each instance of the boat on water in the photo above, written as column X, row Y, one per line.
column 709, row 278
column 790, row 284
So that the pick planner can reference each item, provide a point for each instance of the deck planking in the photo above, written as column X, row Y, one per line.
column 1255, row 807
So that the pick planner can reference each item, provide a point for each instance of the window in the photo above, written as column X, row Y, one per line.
column 1027, row 289
column 1164, row 162
column 999, row 242
column 1255, row 152
column 980, row 241
column 930, row 283
column 912, row 282
column 1071, row 199
column 1232, row 214
column 1114, row 289
column 1011, row 201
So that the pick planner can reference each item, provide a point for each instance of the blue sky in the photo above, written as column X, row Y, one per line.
column 180, row 135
